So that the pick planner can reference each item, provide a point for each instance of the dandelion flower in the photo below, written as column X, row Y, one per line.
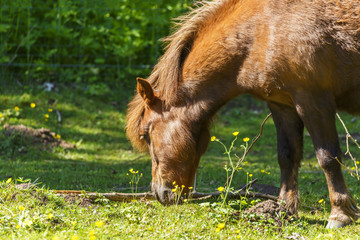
column 21, row 208
column 213, row 138
column 9, row 180
column 91, row 232
column 174, row 182
column 321, row 201
column 1, row 115
column 246, row 139
column 50, row 110
column 50, row 216
column 58, row 136
column 99, row 224
column 217, row 230
column 182, row 186
column 75, row 237
column 250, row 175
column 353, row 168
column 262, row 171
column 16, row 108
column 235, row 133
column 357, row 162
column 173, row 190
column 32, row 105
column 221, row 225
column 190, row 188
column 46, row 115
column 17, row 226
column 221, row 189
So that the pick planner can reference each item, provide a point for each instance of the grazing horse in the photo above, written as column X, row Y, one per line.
column 300, row 56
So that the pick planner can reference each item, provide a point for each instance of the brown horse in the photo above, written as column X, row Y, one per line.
column 300, row 56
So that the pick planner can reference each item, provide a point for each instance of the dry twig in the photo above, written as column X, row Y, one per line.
column 248, row 149
column 348, row 136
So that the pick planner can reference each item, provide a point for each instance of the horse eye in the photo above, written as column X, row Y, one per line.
column 145, row 137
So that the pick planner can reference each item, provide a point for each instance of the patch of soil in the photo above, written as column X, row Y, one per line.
column 271, row 211
column 40, row 136
column 75, row 199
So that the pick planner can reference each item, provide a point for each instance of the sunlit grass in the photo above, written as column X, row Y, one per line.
column 103, row 157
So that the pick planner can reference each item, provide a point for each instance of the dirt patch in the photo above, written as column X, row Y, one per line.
column 43, row 137
column 75, row 199
column 270, row 211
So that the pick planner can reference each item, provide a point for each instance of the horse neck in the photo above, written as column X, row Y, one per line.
column 202, row 101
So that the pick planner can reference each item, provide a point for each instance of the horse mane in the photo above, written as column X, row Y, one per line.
column 167, row 73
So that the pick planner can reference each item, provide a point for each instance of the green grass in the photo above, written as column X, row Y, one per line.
column 103, row 157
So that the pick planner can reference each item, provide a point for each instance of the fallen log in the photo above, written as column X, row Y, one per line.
column 193, row 196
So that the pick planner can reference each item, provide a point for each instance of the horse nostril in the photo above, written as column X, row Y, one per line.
column 163, row 194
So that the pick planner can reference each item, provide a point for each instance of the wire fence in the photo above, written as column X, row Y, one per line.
column 82, row 41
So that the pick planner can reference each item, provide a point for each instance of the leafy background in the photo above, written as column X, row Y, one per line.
column 95, row 45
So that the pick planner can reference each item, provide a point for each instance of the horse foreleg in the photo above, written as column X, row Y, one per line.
column 290, row 130
column 318, row 114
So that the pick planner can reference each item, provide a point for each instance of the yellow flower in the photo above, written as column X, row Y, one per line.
column 46, row 115
column 246, row 162
column 50, row 110
column 115, row 205
column 262, row 171
column 32, row 105
column 55, row 238
column 58, row 136
column 107, row 15
column 190, row 188
column 235, row 133
column 213, row 138
column 174, row 189
column 321, row 200
column 9, row 180
column 246, row 139
column 357, row 162
column 75, row 237
column 16, row 108
column 50, row 216
column 353, row 168
column 217, row 230
column 174, row 182
column 250, row 175
column 99, row 224
column 17, row 226
column 21, row 208
column 91, row 232
column 1, row 115
column 221, row 225
column 221, row 189
column 182, row 186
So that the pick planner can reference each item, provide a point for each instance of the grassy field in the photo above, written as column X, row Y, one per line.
column 103, row 157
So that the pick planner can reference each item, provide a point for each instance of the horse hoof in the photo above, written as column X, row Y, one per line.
column 334, row 224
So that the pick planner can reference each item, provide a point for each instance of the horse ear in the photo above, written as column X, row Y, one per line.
column 145, row 91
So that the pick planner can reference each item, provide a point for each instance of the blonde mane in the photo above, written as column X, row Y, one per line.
column 167, row 74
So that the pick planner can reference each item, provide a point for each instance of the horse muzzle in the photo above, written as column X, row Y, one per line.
column 163, row 194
